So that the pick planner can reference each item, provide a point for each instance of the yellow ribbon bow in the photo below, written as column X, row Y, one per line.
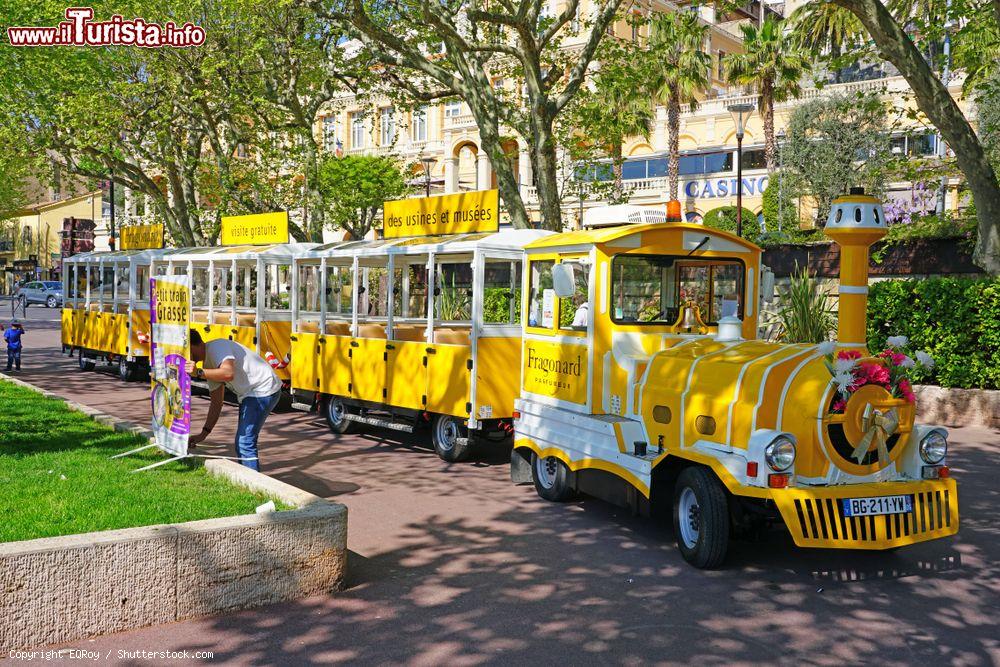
column 878, row 426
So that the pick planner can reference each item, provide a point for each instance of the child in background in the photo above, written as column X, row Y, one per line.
column 13, row 338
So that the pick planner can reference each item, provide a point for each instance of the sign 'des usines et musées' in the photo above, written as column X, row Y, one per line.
column 458, row 213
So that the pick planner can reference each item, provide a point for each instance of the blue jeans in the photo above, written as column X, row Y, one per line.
column 253, row 411
column 13, row 357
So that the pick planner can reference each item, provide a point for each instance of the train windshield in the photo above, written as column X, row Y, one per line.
column 652, row 289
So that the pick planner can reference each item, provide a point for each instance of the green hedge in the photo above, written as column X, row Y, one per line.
column 955, row 320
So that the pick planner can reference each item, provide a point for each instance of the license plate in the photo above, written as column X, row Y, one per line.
column 877, row 505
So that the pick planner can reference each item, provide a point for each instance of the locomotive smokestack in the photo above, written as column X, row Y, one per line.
column 856, row 222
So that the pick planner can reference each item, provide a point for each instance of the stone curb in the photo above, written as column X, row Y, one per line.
column 958, row 407
column 60, row 589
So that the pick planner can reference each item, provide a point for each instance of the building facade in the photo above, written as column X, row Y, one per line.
column 31, row 242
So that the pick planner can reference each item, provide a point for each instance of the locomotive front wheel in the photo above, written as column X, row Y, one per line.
column 701, row 518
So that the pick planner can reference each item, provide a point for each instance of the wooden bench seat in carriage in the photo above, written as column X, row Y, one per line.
column 308, row 326
column 452, row 336
column 410, row 333
column 371, row 330
column 339, row 328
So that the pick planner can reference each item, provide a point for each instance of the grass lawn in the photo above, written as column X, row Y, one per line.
column 56, row 477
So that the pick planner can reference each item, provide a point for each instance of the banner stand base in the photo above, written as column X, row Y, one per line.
column 177, row 458
column 160, row 463
column 132, row 451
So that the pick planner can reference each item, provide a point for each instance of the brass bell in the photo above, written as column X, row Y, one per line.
column 690, row 321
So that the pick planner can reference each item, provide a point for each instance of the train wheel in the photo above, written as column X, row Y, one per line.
column 125, row 369
column 701, row 518
column 553, row 480
column 335, row 411
column 451, row 439
column 86, row 363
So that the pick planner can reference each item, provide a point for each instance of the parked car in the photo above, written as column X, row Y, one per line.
column 47, row 292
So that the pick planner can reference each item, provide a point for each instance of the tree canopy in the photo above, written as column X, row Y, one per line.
column 354, row 187
column 616, row 106
column 220, row 129
column 835, row 143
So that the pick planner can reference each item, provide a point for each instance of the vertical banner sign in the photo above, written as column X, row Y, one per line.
column 458, row 213
column 170, row 317
column 257, row 229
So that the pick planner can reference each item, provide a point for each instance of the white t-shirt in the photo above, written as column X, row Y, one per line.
column 582, row 315
column 252, row 375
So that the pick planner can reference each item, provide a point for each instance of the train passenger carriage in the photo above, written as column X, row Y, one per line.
column 404, row 332
column 105, row 311
column 242, row 293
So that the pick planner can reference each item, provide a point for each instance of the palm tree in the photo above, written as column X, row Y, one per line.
column 616, row 109
column 773, row 63
column 827, row 30
column 681, row 71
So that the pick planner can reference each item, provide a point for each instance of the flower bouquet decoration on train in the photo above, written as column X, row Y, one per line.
column 874, row 395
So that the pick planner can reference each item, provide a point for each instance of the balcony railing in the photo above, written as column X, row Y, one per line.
column 403, row 147
column 464, row 120
column 720, row 105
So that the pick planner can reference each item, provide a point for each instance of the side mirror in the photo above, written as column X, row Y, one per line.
column 563, row 280
column 766, row 284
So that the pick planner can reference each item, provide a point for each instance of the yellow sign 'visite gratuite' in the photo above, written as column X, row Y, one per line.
column 256, row 229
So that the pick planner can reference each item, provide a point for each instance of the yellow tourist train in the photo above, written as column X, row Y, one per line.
column 621, row 360
column 661, row 396
column 105, row 313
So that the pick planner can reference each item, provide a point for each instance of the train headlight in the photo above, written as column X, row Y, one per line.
column 780, row 454
column 933, row 447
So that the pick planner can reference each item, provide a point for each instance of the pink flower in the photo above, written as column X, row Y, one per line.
column 906, row 391
column 867, row 373
column 895, row 358
column 839, row 405
column 848, row 354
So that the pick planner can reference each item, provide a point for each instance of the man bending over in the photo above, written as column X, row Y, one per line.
column 226, row 363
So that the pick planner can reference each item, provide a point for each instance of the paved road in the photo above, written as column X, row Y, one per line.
column 452, row 565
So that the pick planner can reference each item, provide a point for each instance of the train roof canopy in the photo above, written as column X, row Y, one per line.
column 277, row 251
column 95, row 256
column 693, row 232
column 506, row 239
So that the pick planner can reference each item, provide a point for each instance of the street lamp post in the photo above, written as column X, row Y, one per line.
column 740, row 113
column 428, row 161
column 781, row 177
column 111, row 223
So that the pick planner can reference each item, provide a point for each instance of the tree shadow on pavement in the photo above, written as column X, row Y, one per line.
column 525, row 581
